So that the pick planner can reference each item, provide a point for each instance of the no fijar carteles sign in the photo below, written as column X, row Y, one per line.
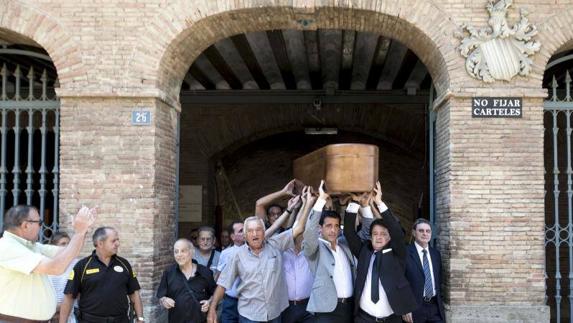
column 496, row 107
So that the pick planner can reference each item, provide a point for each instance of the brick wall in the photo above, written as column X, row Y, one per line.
column 112, row 57
column 490, row 207
column 127, row 172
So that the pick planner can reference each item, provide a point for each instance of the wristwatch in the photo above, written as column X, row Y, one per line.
column 141, row 318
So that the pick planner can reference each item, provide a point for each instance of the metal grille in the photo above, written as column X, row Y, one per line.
column 29, row 143
column 559, row 201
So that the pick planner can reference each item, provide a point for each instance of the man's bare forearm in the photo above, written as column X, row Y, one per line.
column 66, row 308
column 59, row 264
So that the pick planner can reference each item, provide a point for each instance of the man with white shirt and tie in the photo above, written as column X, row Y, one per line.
column 423, row 270
column 382, row 292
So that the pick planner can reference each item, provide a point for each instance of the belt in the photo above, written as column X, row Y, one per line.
column 8, row 318
column 231, row 297
column 107, row 319
column 429, row 300
column 298, row 301
column 345, row 300
column 377, row 319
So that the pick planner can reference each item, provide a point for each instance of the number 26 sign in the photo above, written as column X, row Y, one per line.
column 140, row 118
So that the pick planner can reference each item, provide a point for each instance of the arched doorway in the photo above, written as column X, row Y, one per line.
column 29, row 129
column 192, row 41
column 245, row 90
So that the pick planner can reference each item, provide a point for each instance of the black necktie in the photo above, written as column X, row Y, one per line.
column 374, row 292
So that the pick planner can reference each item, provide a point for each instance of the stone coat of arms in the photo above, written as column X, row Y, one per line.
column 499, row 52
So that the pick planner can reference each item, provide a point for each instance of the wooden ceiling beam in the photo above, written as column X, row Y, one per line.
column 296, row 50
column 330, row 44
column 261, row 46
column 235, row 62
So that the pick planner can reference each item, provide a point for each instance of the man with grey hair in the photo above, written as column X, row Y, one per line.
column 25, row 264
column 103, row 281
column 258, row 264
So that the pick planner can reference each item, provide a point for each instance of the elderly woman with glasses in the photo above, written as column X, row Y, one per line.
column 186, row 287
column 207, row 255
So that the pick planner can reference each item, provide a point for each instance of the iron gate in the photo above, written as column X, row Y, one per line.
column 559, row 200
column 29, row 138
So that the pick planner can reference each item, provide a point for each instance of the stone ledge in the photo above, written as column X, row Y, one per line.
column 497, row 313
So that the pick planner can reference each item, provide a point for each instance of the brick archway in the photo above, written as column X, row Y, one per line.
column 555, row 39
column 425, row 34
column 33, row 26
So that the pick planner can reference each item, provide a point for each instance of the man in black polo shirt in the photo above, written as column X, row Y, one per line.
column 103, row 281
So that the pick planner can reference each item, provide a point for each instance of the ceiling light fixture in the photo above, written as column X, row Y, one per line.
column 320, row 131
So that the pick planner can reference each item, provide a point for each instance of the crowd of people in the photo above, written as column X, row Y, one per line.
column 300, row 263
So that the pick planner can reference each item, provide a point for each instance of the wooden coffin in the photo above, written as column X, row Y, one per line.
column 344, row 167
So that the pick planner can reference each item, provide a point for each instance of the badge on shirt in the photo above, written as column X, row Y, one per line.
column 92, row 271
column 71, row 277
column 119, row 269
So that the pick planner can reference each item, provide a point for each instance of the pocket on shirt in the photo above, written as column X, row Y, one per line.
column 273, row 263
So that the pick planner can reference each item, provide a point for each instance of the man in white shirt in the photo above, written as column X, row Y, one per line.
column 382, row 292
column 25, row 264
column 331, row 262
column 229, row 309
column 424, row 272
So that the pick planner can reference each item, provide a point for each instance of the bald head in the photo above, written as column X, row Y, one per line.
column 183, row 251
column 184, row 243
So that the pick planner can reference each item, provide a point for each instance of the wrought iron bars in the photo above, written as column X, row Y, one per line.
column 13, row 110
column 556, row 234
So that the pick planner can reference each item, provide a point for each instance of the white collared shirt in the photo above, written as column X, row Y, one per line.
column 342, row 273
column 380, row 309
column 224, row 259
column 421, row 256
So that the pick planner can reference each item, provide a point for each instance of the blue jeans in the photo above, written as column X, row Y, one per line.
column 246, row 320
column 229, row 311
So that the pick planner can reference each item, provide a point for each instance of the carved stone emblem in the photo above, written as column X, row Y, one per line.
column 499, row 52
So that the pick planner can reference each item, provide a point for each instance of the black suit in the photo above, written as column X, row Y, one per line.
column 415, row 275
column 393, row 281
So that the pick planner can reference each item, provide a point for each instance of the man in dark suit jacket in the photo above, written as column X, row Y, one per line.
column 425, row 276
column 382, row 292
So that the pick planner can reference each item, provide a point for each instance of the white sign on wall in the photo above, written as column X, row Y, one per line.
column 190, row 203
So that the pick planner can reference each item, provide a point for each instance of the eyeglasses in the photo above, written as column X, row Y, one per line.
column 40, row 222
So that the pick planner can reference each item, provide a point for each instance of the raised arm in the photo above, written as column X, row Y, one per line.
column 354, row 242
column 292, row 203
column 367, row 217
column 57, row 265
column 302, row 216
column 265, row 201
column 310, row 235
column 391, row 223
